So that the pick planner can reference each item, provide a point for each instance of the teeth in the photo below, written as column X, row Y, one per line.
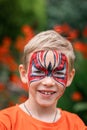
column 47, row 93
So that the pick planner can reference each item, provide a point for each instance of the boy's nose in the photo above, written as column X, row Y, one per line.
column 48, row 81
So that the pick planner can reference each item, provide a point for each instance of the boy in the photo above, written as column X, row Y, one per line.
column 47, row 69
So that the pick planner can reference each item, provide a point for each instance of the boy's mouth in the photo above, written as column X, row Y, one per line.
column 46, row 92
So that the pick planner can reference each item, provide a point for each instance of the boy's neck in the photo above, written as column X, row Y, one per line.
column 38, row 109
column 47, row 114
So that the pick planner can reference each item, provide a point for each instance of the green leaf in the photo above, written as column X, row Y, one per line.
column 80, row 107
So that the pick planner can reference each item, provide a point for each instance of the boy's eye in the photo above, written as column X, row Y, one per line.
column 37, row 72
column 59, row 74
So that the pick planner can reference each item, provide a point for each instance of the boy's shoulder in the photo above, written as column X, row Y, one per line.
column 71, row 117
column 9, row 110
column 68, row 114
column 8, row 115
column 11, row 117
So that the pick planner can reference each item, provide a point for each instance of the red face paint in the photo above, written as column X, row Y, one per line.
column 41, row 66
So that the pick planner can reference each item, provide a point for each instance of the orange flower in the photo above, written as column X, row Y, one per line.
column 26, row 29
column 6, row 42
column 3, row 50
column 58, row 28
column 22, row 41
column 73, row 34
column 13, row 66
column 85, row 52
column 79, row 46
column 10, row 62
column 66, row 28
column 82, row 47
column 19, row 43
column 76, row 96
column 14, row 78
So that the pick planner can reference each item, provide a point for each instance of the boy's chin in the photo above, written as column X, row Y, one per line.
column 46, row 104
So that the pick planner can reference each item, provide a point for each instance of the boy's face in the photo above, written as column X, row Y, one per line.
column 47, row 76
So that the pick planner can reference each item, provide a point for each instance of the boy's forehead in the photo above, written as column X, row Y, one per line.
column 47, row 56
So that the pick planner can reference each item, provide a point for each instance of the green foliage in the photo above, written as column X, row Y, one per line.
column 67, row 11
column 81, row 72
column 8, row 18
column 16, row 13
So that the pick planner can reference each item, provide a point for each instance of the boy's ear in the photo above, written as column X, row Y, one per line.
column 70, row 77
column 23, row 74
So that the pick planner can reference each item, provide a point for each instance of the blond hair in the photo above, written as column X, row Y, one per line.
column 49, row 40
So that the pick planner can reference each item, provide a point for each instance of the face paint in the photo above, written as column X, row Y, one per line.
column 48, row 63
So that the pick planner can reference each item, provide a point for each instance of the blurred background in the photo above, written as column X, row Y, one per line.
column 20, row 20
